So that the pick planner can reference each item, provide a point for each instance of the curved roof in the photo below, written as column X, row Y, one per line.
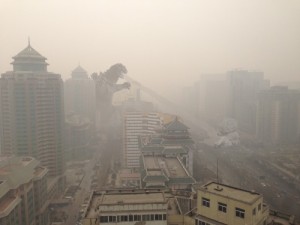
column 29, row 60
column 176, row 125
column 79, row 72
column 29, row 52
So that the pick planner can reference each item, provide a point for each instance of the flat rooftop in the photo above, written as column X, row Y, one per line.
column 231, row 192
column 169, row 165
column 124, row 197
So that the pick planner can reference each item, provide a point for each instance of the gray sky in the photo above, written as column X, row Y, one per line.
column 165, row 43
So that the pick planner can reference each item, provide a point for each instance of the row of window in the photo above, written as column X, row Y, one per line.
column 200, row 222
column 222, row 207
column 125, row 218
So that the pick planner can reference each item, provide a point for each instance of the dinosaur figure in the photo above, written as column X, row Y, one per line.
column 106, row 85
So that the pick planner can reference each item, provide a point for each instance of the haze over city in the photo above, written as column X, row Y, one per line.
column 149, row 112
column 161, row 42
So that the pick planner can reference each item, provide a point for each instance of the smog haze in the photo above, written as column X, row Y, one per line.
column 161, row 42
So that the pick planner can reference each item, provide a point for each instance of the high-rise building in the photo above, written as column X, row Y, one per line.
column 80, row 94
column 136, row 124
column 244, row 87
column 32, row 111
column 278, row 116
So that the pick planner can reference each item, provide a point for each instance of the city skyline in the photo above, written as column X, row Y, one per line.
column 174, row 41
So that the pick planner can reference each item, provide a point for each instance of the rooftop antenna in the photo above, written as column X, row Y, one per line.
column 218, row 172
column 218, row 188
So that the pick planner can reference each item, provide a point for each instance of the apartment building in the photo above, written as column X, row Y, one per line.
column 224, row 204
column 23, row 192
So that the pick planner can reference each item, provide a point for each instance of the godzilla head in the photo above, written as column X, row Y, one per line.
column 115, row 72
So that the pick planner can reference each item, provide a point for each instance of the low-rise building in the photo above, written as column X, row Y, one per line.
column 167, row 172
column 126, row 207
column 224, row 204
column 23, row 192
column 211, row 204
column 172, row 140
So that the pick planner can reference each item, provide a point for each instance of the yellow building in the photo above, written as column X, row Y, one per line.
column 223, row 204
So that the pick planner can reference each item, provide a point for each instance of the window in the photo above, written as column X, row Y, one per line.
column 130, row 217
column 254, row 211
column 104, row 219
column 112, row 219
column 222, row 207
column 137, row 218
column 239, row 212
column 259, row 206
column 124, row 218
column 152, row 217
column 200, row 222
column 206, row 202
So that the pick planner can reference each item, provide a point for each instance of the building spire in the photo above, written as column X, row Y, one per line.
column 29, row 41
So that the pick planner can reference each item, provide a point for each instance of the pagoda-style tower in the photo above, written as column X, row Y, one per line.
column 32, row 112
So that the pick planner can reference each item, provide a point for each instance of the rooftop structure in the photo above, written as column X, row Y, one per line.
column 158, row 171
column 80, row 73
column 29, row 60
column 231, row 192
column 125, row 206
column 233, row 206
column 172, row 140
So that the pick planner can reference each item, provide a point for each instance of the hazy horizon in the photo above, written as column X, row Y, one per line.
column 164, row 44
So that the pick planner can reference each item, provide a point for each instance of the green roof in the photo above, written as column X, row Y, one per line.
column 177, row 141
column 176, row 125
column 152, row 149
column 174, row 150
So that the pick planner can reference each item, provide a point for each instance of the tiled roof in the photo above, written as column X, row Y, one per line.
column 176, row 125
column 29, row 52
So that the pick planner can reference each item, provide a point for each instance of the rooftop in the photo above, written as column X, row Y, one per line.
column 29, row 52
column 29, row 60
column 10, row 168
column 227, row 191
column 124, row 197
column 8, row 204
column 79, row 72
column 176, row 125
column 170, row 166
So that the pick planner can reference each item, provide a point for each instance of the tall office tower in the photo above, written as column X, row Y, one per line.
column 278, row 116
column 243, row 89
column 80, row 94
column 216, row 96
column 32, row 111
column 138, row 119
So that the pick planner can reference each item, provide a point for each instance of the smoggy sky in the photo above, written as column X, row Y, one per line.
column 163, row 43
